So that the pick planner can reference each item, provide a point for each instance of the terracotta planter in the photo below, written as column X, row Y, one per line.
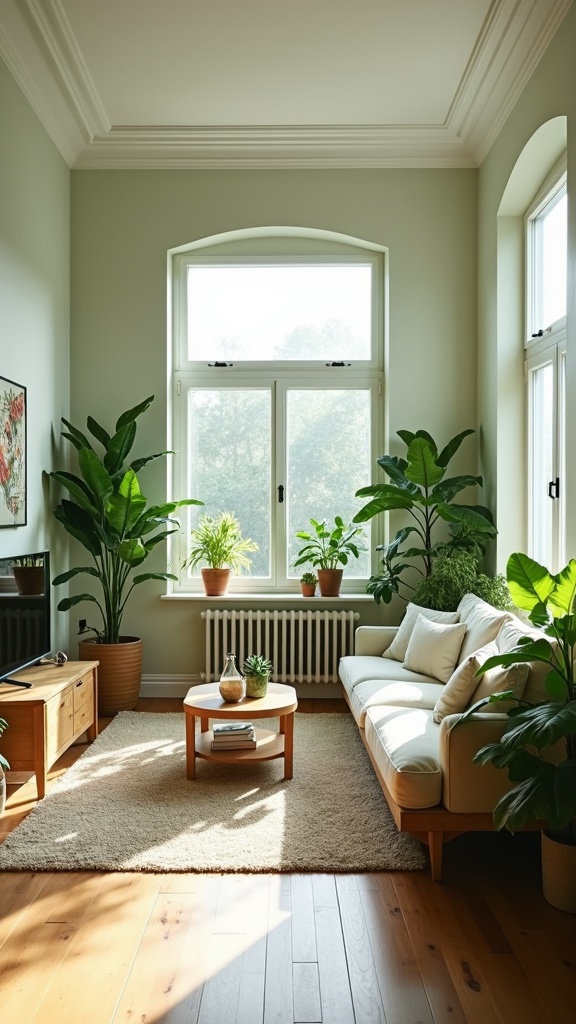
column 329, row 581
column 119, row 672
column 29, row 579
column 559, row 874
column 215, row 581
column 308, row 589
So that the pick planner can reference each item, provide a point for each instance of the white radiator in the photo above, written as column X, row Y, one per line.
column 303, row 646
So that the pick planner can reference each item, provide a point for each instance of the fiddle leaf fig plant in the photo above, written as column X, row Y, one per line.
column 419, row 486
column 110, row 517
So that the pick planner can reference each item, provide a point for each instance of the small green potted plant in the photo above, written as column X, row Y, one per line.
column 538, row 746
column 218, row 541
column 3, row 765
column 256, row 671
column 327, row 549
column 308, row 584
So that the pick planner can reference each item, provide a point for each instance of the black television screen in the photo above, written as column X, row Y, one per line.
column 24, row 610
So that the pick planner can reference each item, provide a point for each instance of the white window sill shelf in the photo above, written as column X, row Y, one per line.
column 244, row 598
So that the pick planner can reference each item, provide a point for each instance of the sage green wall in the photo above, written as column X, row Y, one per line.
column 34, row 307
column 123, row 224
column 550, row 93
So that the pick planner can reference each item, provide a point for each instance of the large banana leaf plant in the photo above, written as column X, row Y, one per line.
column 544, row 791
column 419, row 486
column 108, row 514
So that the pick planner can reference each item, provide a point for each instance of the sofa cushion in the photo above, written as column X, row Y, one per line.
column 498, row 679
column 375, row 692
column 483, row 622
column 509, row 635
column 404, row 743
column 397, row 649
column 455, row 696
column 434, row 648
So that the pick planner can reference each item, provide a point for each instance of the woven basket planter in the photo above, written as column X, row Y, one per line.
column 119, row 672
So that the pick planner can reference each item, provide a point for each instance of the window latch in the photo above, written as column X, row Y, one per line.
column 281, row 493
column 554, row 485
column 338, row 362
column 220, row 364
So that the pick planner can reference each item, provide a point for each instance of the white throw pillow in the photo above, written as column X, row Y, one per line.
column 399, row 645
column 497, row 680
column 483, row 622
column 455, row 696
column 433, row 648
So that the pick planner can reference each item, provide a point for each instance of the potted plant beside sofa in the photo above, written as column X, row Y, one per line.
column 538, row 746
column 327, row 549
column 218, row 541
column 110, row 517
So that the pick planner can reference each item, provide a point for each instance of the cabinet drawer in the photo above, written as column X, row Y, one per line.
column 59, row 722
column 84, row 716
column 83, row 689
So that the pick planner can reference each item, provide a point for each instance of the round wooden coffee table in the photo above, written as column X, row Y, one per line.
column 204, row 702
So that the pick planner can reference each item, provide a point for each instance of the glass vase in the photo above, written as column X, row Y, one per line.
column 232, row 684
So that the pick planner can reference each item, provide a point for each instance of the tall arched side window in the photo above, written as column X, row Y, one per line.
column 277, row 392
column 545, row 351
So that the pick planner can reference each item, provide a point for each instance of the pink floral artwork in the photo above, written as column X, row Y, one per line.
column 12, row 453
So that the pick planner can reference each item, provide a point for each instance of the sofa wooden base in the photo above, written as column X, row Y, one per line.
column 434, row 826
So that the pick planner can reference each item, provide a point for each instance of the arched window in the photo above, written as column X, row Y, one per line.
column 277, row 390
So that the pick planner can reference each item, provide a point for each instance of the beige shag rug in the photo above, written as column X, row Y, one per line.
column 126, row 805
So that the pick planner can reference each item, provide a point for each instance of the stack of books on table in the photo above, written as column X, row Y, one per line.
column 233, row 736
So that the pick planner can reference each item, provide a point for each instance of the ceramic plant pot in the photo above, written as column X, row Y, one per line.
column 330, row 581
column 215, row 581
column 256, row 686
column 308, row 589
column 29, row 579
column 119, row 672
column 559, row 874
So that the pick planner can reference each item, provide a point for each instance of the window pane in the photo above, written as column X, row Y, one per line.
column 328, row 460
column 229, row 464
column 542, row 435
column 554, row 255
column 279, row 312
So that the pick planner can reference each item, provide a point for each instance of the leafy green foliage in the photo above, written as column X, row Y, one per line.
column 326, row 548
column 420, row 488
column 109, row 516
column 218, row 541
column 256, row 665
column 309, row 578
column 455, row 574
column 544, row 791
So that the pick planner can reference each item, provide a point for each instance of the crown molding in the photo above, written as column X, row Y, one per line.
column 317, row 146
column 509, row 48
column 42, row 53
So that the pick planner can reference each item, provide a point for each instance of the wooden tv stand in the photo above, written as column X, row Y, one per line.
column 46, row 719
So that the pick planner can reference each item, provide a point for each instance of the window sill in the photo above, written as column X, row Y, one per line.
column 244, row 598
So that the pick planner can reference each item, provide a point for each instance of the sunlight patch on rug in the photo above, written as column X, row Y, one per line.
column 126, row 805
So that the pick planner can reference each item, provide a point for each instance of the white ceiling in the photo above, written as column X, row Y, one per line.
column 265, row 83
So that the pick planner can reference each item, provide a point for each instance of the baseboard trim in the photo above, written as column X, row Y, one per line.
column 178, row 686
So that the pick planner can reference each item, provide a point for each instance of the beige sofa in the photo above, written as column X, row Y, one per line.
column 407, row 687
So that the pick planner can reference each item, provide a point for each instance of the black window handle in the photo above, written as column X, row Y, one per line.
column 280, row 493
column 554, row 485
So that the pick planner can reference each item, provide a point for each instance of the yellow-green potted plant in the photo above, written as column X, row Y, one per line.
column 218, row 541
column 256, row 671
column 308, row 584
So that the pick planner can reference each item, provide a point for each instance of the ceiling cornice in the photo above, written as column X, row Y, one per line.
column 39, row 47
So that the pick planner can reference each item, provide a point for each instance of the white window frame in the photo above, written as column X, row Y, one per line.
column 280, row 376
column 549, row 352
column 551, row 191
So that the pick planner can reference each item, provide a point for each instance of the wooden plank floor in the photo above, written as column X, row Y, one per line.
column 482, row 947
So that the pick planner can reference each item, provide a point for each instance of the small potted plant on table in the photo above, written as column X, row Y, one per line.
column 328, row 549
column 218, row 541
column 256, row 670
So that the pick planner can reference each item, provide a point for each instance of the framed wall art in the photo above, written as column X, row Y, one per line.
column 12, row 453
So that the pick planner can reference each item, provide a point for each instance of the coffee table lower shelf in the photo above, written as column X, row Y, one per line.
column 268, row 746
